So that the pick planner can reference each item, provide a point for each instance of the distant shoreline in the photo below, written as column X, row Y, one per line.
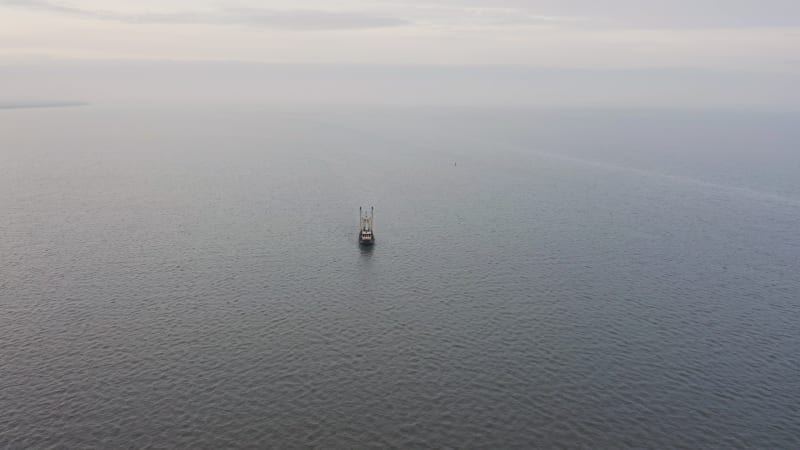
column 28, row 105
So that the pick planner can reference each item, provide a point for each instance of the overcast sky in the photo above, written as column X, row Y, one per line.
column 727, row 36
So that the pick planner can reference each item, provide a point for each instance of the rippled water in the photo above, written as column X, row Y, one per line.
column 190, row 278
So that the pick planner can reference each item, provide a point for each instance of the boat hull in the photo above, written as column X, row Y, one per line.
column 366, row 235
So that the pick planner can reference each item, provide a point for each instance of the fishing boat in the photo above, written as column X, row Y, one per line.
column 366, row 233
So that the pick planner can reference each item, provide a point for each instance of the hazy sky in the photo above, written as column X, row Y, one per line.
column 760, row 38
column 572, row 33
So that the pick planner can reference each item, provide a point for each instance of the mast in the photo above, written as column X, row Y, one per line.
column 366, row 235
column 366, row 219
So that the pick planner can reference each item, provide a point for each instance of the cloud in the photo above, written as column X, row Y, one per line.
column 40, row 104
column 286, row 19
column 481, row 16
column 679, row 14
column 623, row 14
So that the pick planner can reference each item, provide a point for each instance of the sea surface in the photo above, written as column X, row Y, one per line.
column 185, row 277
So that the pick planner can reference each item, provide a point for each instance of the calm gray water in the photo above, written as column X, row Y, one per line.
column 188, row 277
